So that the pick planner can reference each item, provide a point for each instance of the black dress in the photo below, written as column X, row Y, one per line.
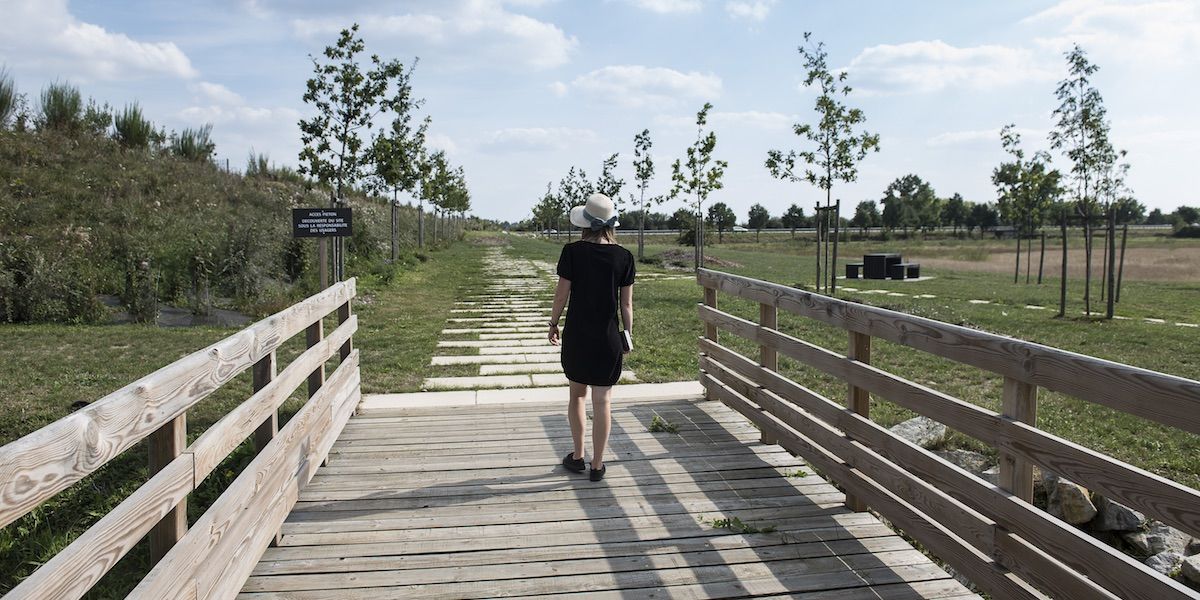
column 591, row 339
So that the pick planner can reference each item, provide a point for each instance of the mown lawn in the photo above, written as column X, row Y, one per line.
column 44, row 369
column 666, row 327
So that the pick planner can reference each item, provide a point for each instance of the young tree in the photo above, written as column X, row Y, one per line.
column 954, row 212
column 1026, row 191
column 758, row 218
column 838, row 147
column 397, row 153
column 866, row 214
column 722, row 217
column 436, row 186
column 700, row 179
column 346, row 99
column 608, row 183
column 982, row 215
column 682, row 219
column 1081, row 132
column 8, row 98
column 572, row 190
column 793, row 218
column 909, row 201
column 643, row 167
column 547, row 210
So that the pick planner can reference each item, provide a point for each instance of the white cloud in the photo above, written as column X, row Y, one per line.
column 981, row 136
column 756, row 10
column 441, row 141
column 637, row 86
column 933, row 66
column 533, row 139
column 559, row 89
column 216, row 93
column 666, row 7
column 1157, row 32
column 43, row 35
column 473, row 31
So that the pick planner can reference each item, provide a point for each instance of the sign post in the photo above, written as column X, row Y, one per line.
column 322, row 223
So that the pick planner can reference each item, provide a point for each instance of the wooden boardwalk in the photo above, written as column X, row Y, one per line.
column 470, row 502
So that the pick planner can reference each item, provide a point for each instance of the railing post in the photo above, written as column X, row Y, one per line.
column 710, row 330
column 164, row 446
column 263, row 372
column 313, row 335
column 343, row 315
column 858, row 400
column 1019, row 404
column 768, row 317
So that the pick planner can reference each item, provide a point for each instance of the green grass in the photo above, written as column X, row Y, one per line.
column 736, row 525
column 666, row 328
column 661, row 425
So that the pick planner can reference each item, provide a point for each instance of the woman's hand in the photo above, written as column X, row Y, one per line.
column 553, row 335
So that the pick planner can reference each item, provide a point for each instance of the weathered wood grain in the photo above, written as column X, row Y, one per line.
column 76, row 568
column 43, row 463
column 1103, row 564
column 163, row 447
column 1167, row 399
column 1019, row 403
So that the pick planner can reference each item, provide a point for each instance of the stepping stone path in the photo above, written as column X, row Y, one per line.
column 499, row 332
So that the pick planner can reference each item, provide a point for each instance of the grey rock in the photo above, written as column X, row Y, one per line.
column 1157, row 538
column 922, row 431
column 1165, row 562
column 1191, row 568
column 992, row 475
column 971, row 462
column 1068, row 500
column 1114, row 516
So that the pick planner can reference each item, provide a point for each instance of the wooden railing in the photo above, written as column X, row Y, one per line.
column 991, row 534
column 214, row 557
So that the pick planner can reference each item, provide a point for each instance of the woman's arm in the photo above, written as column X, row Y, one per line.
column 627, row 308
column 561, row 292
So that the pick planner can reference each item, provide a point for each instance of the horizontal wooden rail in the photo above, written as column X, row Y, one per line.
column 1148, row 394
column 161, row 398
column 36, row 467
column 990, row 533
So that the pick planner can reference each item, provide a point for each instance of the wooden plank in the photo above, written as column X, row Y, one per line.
column 1154, row 495
column 1176, row 400
column 1019, row 404
column 802, row 575
column 965, row 417
column 39, row 465
column 768, row 317
column 915, row 583
column 858, row 399
column 818, row 555
column 263, row 373
column 175, row 575
column 76, row 568
column 164, row 446
column 980, row 568
column 1105, row 565
column 228, row 433
column 848, row 541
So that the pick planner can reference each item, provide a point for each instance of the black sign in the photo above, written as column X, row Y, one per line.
column 321, row 222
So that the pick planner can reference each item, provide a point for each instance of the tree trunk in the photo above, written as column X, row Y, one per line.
column 1028, row 256
column 642, row 229
column 1017, row 266
column 420, row 223
column 1042, row 257
column 1121, row 270
column 1104, row 266
column 395, row 249
column 1062, row 294
column 1111, row 251
column 1087, row 268
column 837, row 225
column 817, row 228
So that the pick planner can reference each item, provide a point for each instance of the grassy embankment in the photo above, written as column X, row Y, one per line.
column 45, row 368
column 666, row 327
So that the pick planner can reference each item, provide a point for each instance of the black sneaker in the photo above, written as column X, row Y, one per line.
column 597, row 474
column 575, row 465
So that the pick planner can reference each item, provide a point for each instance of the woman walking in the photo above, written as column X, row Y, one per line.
column 596, row 275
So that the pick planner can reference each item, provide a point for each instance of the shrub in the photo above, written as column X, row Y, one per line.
column 131, row 129
column 1191, row 231
column 8, row 98
column 96, row 118
column 258, row 165
column 194, row 144
column 62, row 107
column 45, row 284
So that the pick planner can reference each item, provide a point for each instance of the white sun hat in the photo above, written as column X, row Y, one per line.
column 597, row 213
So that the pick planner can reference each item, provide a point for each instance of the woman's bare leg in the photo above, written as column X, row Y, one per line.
column 576, row 416
column 601, row 418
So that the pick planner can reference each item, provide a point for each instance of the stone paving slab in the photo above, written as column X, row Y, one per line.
column 621, row 393
column 537, row 333
column 539, row 341
column 546, row 367
column 541, row 348
column 492, row 359
column 484, row 334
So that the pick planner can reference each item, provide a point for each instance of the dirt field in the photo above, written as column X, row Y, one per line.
column 1141, row 264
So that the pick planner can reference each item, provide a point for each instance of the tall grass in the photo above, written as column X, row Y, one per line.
column 62, row 107
column 194, row 144
column 132, row 130
column 8, row 98
column 258, row 165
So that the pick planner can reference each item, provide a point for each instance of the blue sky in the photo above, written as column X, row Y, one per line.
column 521, row 90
